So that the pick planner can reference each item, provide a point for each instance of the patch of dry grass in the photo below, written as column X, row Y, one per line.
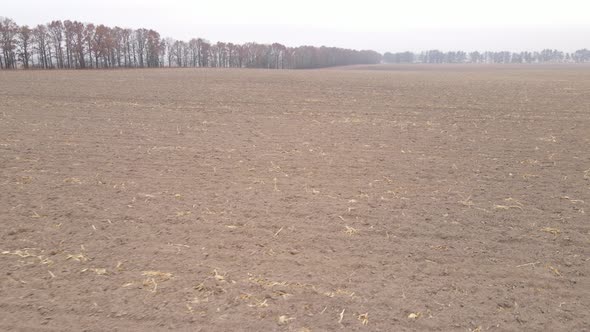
column 363, row 318
column 554, row 231
column 78, row 258
column 350, row 231
column 153, row 277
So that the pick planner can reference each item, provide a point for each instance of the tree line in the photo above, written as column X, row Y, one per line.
column 76, row 45
column 436, row 56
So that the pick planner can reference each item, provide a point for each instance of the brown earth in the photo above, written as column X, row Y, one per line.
column 435, row 198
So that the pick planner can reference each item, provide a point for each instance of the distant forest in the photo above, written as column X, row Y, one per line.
column 76, row 45
column 436, row 56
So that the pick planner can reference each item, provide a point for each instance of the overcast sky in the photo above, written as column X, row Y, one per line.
column 381, row 25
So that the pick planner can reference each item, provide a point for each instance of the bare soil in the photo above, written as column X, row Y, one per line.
column 450, row 198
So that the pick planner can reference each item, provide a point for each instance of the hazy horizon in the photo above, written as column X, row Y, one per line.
column 377, row 25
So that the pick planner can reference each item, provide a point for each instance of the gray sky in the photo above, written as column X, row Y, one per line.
column 512, row 25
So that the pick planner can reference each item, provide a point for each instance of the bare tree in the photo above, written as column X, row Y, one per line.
column 69, row 41
column 153, row 45
column 140, row 39
column 178, row 47
column 126, row 39
column 40, row 38
column 119, row 45
column 89, row 31
column 55, row 29
column 25, row 35
column 8, row 32
column 169, row 45
column 79, row 35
